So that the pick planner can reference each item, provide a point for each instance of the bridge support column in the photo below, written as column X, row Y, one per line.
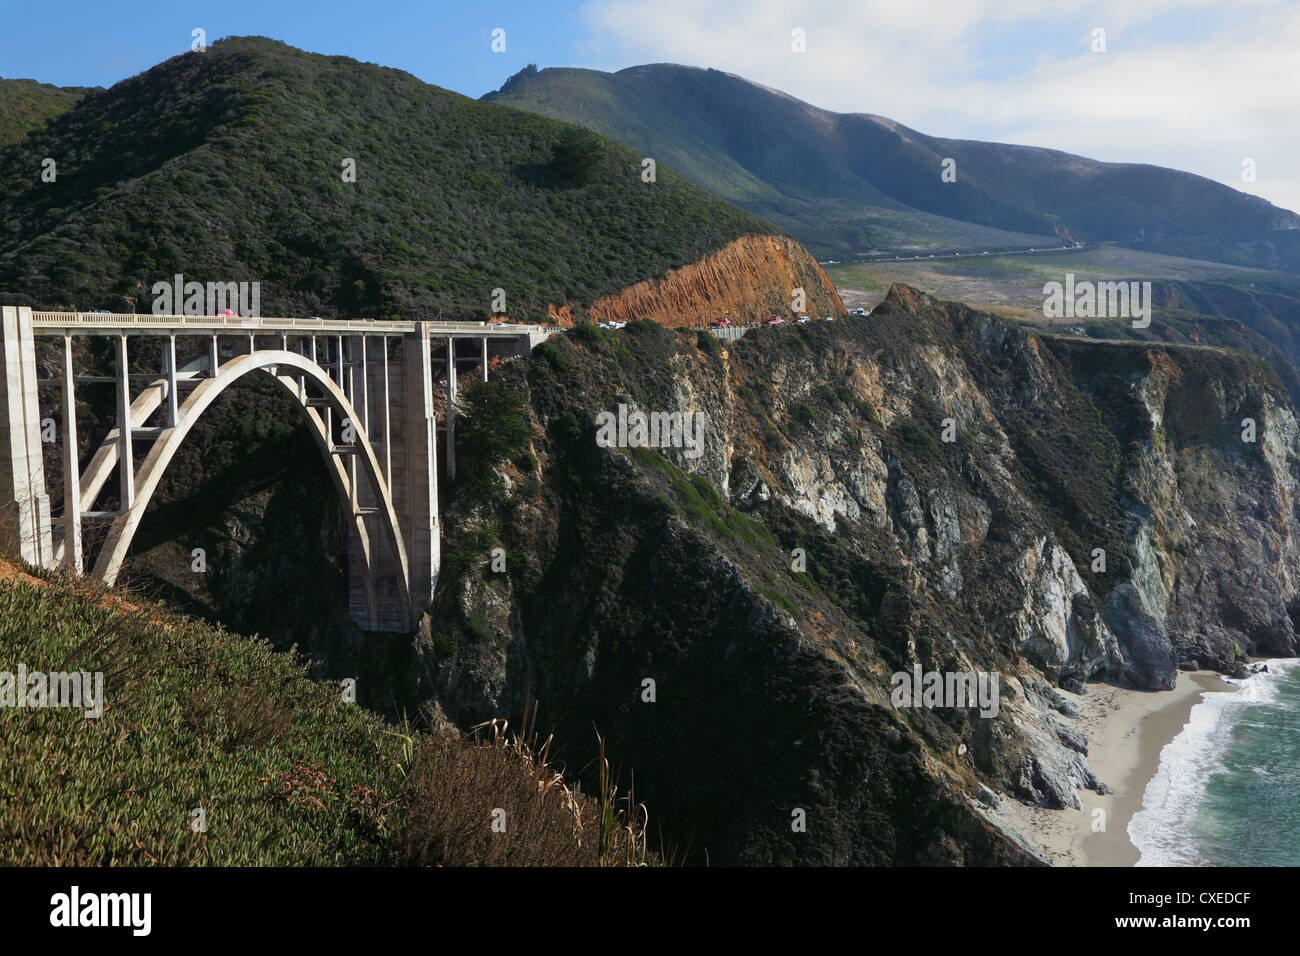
column 25, row 527
column 388, row 422
column 348, row 373
column 320, row 360
column 374, row 402
column 485, row 364
column 72, row 464
column 302, row 379
column 125, row 461
column 372, row 583
column 169, row 369
column 451, row 408
column 363, row 380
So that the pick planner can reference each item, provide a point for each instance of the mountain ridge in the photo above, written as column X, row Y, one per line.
column 734, row 136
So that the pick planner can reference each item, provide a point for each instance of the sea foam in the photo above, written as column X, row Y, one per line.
column 1161, row 830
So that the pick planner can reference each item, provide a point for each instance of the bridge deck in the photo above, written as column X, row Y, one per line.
column 102, row 323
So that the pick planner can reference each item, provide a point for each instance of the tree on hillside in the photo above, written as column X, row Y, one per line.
column 576, row 156
column 496, row 429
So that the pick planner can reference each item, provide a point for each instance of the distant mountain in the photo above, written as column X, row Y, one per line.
column 26, row 105
column 227, row 165
column 846, row 183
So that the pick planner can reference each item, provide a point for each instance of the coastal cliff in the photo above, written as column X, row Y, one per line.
column 949, row 482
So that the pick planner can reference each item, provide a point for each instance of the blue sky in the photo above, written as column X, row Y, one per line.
column 1199, row 85
column 98, row 42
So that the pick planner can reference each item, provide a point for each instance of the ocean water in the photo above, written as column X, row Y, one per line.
column 1227, row 792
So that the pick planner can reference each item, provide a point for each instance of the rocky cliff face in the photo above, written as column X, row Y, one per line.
column 751, row 277
column 926, row 486
column 1209, row 504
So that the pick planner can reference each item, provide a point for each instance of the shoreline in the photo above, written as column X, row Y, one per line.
column 1126, row 732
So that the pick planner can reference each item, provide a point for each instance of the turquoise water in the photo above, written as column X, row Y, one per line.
column 1227, row 792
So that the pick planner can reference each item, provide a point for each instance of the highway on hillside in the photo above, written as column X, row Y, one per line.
column 972, row 254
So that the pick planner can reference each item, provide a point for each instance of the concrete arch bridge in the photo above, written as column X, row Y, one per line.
column 365, row 389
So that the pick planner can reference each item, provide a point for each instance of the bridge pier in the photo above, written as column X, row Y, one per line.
column 404, row 441
column 415, row 466
column 25, row 526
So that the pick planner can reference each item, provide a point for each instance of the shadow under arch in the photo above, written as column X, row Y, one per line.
column 118, row 541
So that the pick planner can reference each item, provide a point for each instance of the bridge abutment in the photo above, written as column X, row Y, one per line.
column 25, row 525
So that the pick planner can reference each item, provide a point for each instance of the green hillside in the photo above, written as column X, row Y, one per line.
column 26, row 105
column 228, row 165
column 843, row 182
column 285, row 771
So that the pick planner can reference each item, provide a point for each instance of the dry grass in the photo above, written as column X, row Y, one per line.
column 500, row 802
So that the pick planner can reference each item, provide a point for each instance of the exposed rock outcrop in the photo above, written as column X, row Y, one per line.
column 1209, row 499
column 751, row 277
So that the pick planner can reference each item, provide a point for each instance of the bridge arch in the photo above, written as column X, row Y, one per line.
column 122, row 531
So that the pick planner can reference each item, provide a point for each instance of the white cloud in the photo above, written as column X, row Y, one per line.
column 1190, row 84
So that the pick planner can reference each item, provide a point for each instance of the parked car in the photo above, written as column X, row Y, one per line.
column 775, row 320
column 802, row 319
column 857, row 311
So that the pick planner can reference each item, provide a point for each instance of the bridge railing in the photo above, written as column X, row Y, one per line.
column 241, row 324
column 137, row 320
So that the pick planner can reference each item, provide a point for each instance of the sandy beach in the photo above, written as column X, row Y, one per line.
column 1126, row 731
